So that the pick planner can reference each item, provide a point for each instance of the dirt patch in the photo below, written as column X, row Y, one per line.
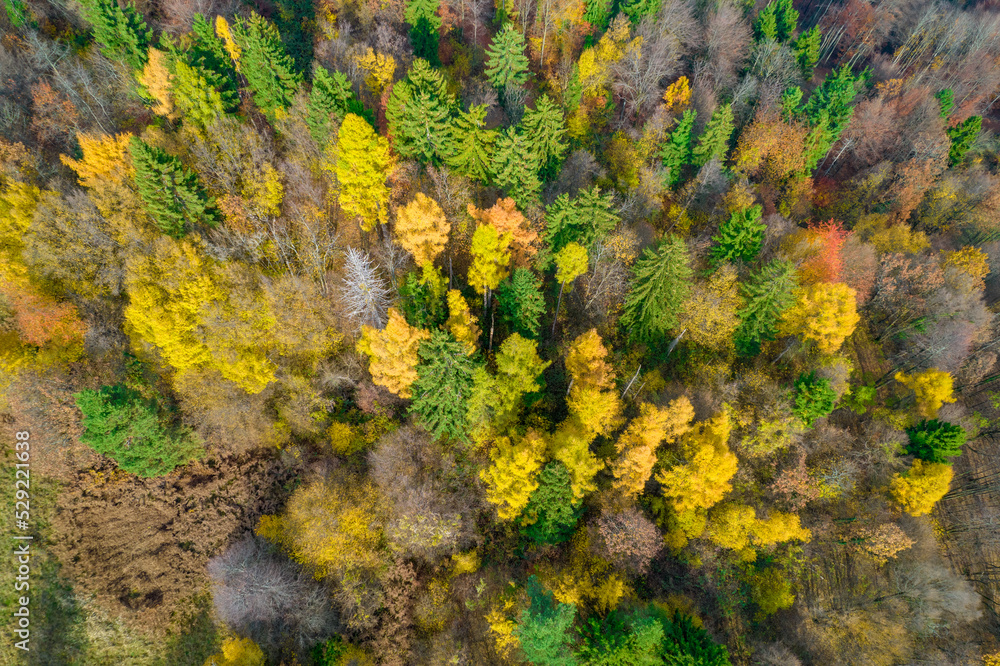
column 141, row 545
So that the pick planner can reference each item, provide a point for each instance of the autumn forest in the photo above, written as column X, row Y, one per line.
column 500, row 332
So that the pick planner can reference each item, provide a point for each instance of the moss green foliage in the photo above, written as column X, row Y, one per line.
column 714, row 141
column 419, row 114
column 582, row 219
column 421, row 298
column 270, row 72
column 740, row 237
column 661, row 283
column 121, row 31
column 170, row 192
column 544, row 628
column 119, row 423
column 471, row 144
column 521, row 303
column 330, row 99
column 806, row 49
column 443, row 386
column 551, row 514
column 768, row 293
column 962, row 137
column 935, row 441
column 545, row 129
column 622, row 639
column 506, row 63
column 814, row 398
column 685, row 644
column 676, row 152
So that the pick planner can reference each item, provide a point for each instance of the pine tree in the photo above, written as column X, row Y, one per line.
column 806, row 49
column 544, row 629
column 767, row 294
column 545, row 128
column 946, row 100
column 637, row 10
column 419, row 114
column 506, row 63
column 443, row 386
column 962, row 137
column 521, row 303
column 587, row 217
column 676, row 153
column 170, row 192
column 423, row 9
column 515, row 167
column 207, row 52
column 199, row 96
column 363, row 165
column 598, row 14
column 740, row 238
column 714, row 141
column 828, row 111
column 470, row 145
column 814, row 398
column 330, row 97
column 269, row 70
column 661, row 284
column 121, row 31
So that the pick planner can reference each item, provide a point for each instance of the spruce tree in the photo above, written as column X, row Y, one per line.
column 551, row 514
column 806, row 49
column 207, row 51
column 521, row 303
column 740, row 237
column 587, row 217
column 598, row 14
column 506, row 63
column 935, row 441
column 422, row 15
column 331, row 96
column 470, row 144
column 269, row 70
column 545, row 128
column 170, row 192
column 443, row 386
column 714, row 141
column 661, row 284
column 946, row 101
column 515, row 167
column 637, row 10
column 828, row 111
column 787, row 19
column 676, row 153
column 121, row 31
column 766, row 25
column 962, row 136
column 419, row 114
column 766, row 295
column 544, row 629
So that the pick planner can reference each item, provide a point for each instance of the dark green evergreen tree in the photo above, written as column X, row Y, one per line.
column 714, row 141
column 787, row 19
column 582, row 219
column 622, row 638
column 121, row 31
column 765, row 27
column 443, row 386
column 740, row 238
column 515, row 167
column 544, row 629
column 829, row 111
column 946, row 100
column 935, row 441
column 331, row 97
column 676, row 152
column 119, row 423
column 551, row 514
column 521, row 303
column 170, row 192
column 814, row 398
column 207, row 51
column 806, row 49
column 419, row 114
column 506, row 63
column 425, row 24
column 470, row 146
column 962, row 137
column 545, row 128
column 420, row 303
column 661, row 284
column 637, row 10
column 685, row 644
column 269, row 70
column 598, row 14
column 768, row 293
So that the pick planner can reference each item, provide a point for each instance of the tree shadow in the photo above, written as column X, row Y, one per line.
column 195, row 637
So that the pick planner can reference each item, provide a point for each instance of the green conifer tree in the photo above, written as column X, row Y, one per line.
column 515, row 167
column 828, row 111
column 425, row 24
column 676, row 153
column 551, row 514
column 740, row 237
column 330, row 97
column 637, row 10
column 661, row 284
column 470, row 145
column 769, row 292
column 545, row 128
column 806, row 49
column 587, row 217
column 521, row 303
column 207, row 51
column 946, row 100
column 544, row 628
column 197, row 95
column 443, row 386
column 766, row 25
column 935, row 441
column 269, row 70
column 506, row 63
column 714, row 141
column 170, row 192
column 121, row 31
column 598, row 14
column 419, row 114
column 962, row 137
column 787, row 19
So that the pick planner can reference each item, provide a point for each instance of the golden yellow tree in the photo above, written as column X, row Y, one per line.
column 105, row 157
column 737, row 527
column 513, row 473
column 918, row 489
column 702, row 478
column 592, row 399
column 379, row 69
column 825, row 313
column 157, row 80
column 505, row 216
column 637, row 445
column 709, row 314
column 490, row 259
column 237, row 652
column 393, row 353
column 422, row 229
column 461, row 324
column 223, row 32
column 971, row 261
column 677, row 95
column 932, row 389
column 570, row 445
column 362, row 166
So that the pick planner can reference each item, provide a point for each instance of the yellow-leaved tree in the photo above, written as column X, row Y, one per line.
column 513, row 473
column 971, row 261
column 393, row 353
column 737, row 527
column 490, row 259
column 461, row 324
column 496, row 400
column 157, row 81
column 637, row 445
column 932, row 389
column 378, row 68
column 918, row 489
column 422, row 229
column 505, row 216
column 363, row 164
column 709, row 313
column 592, row 398
column 825, row 313
column 237, row 652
